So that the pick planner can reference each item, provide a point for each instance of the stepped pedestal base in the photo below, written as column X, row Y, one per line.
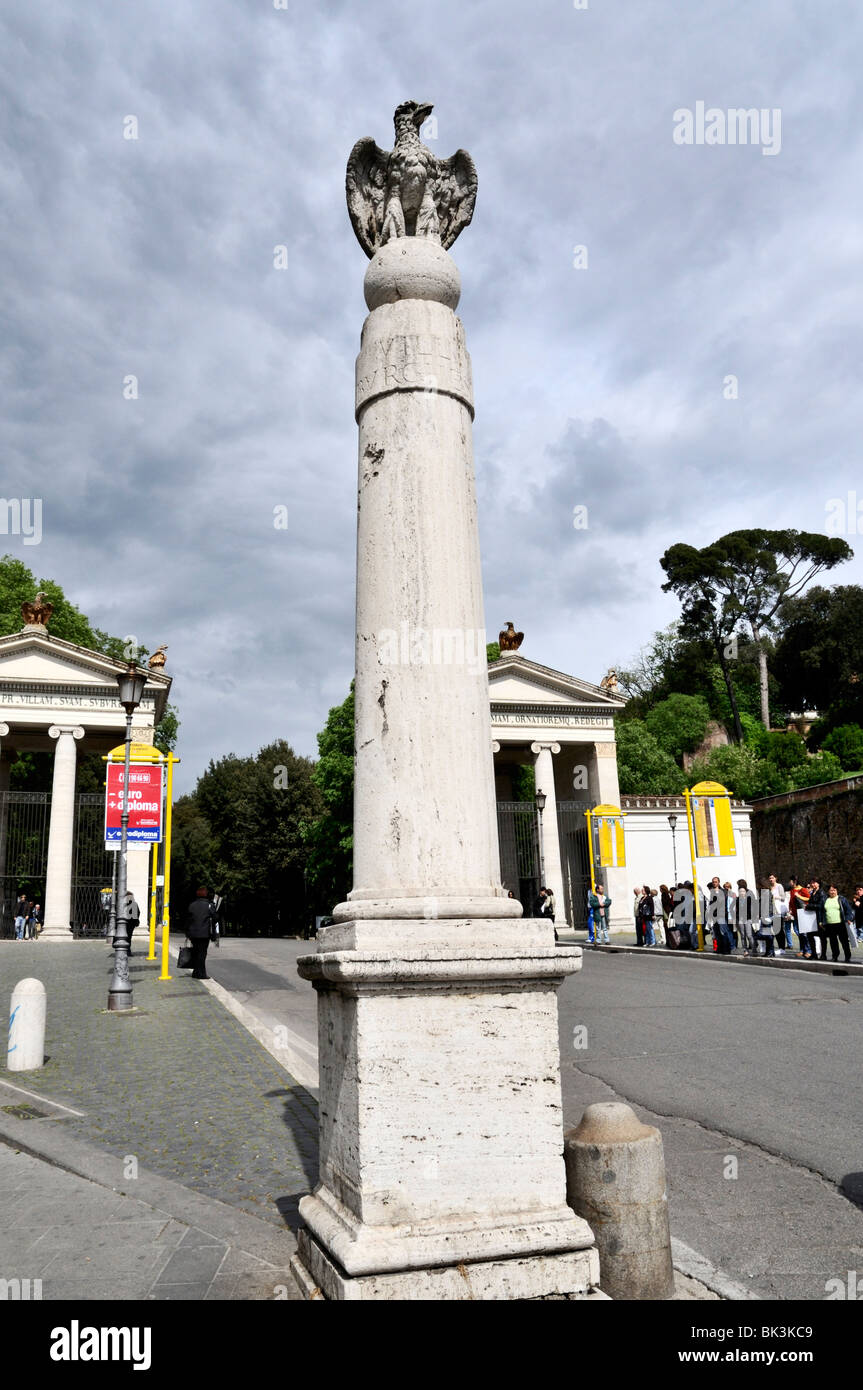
column 574, row 1272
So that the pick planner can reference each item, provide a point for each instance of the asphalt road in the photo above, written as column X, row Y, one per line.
column 753, row 1076
column 754, row 1065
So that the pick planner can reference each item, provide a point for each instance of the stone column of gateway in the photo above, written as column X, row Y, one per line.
column 61, row 835
column 552, row 872
column 441, row 1142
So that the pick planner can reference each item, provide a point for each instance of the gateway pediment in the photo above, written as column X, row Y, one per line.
column 513, row 680
column 37, row 665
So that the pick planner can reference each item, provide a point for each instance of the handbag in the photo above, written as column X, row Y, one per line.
column 184, row 959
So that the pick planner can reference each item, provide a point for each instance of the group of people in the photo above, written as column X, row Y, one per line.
column 762, row 922
column 28, row 919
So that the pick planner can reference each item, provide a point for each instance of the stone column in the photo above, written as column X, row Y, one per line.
column 61, row 836
column 552, row 867
column 441, row 1169
column 605, row 791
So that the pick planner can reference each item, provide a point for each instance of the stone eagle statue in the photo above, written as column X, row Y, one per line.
column 408, row 191
column 158, row 659
column 37, row 613
column 510, row 640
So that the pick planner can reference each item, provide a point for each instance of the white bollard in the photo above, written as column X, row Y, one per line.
column 27, row 1026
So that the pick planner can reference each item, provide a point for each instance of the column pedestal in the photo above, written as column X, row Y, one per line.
column 441, row 1168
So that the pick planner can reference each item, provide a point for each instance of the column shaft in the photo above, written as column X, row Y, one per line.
column 552, row 867
column 61, row 833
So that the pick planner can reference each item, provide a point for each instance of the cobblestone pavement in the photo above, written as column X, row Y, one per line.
column 179, row 1085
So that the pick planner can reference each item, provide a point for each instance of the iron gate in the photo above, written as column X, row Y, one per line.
column 574, row 860
column 24, row 822
column 518, row 837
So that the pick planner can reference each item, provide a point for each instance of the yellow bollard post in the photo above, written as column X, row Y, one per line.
column 166, row 891
column 151, row 955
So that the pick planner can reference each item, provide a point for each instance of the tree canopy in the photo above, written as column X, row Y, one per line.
column 742, row 580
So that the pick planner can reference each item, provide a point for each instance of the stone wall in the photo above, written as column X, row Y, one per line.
column 816, row 831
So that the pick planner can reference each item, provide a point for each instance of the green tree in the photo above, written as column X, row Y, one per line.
column 820, row 767
column 740, row 769
column 709, row 614
column 745, row 578
column 679, row 723
column 785, row 751
column 846, row 743
column 329, row 837
column 763, row 569
column 643, row 768
column 256, row 810
column 819, row 656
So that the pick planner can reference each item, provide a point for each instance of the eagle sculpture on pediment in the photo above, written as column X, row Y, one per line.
column 37, row 612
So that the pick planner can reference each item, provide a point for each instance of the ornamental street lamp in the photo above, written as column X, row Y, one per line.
column 131, row 683
column 672, row 821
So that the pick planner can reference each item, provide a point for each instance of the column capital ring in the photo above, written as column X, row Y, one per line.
column 74, row 729
column 4, row 729
column 543, row 747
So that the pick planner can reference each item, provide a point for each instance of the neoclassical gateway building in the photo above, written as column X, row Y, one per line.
column 563, row 727
column 62, row 699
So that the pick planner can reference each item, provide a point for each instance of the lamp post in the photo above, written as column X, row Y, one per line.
column 540, row 799
column 131, row 683
column 672, row 821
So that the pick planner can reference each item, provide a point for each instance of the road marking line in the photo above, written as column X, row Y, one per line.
column 34, row 1095
column 698, row 1267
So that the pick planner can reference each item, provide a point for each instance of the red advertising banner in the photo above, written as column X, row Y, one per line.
column 145, row 803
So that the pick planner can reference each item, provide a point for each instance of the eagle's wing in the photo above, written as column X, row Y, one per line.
column 454, row 195
column 365, row 186
column 519, row 637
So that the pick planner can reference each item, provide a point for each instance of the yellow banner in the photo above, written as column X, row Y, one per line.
column 714, row 833
column 608, row 843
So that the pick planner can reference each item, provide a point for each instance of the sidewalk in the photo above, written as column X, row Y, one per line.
column 222, row 1139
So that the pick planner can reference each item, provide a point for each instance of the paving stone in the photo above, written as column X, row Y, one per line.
column 181, row 1086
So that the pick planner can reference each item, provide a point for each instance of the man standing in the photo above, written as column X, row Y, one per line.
column 132, row 915
column 200, row 921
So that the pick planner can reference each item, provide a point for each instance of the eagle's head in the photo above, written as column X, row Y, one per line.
column 416, row 112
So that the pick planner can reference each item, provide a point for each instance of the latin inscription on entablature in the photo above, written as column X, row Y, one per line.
column 555, row 721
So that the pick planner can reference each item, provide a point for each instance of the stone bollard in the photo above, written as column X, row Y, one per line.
column 615, row 1179
column 27, row 1026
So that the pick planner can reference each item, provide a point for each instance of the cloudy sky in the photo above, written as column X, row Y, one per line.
column 601, row 386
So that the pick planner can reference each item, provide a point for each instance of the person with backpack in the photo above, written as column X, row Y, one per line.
column 644, row 915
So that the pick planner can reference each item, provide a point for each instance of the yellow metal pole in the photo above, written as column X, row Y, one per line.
column 152, row 952
column 589, row 815
column 686, row 795
column 166, row 891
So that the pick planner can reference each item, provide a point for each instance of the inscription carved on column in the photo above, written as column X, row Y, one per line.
column 414, row 362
